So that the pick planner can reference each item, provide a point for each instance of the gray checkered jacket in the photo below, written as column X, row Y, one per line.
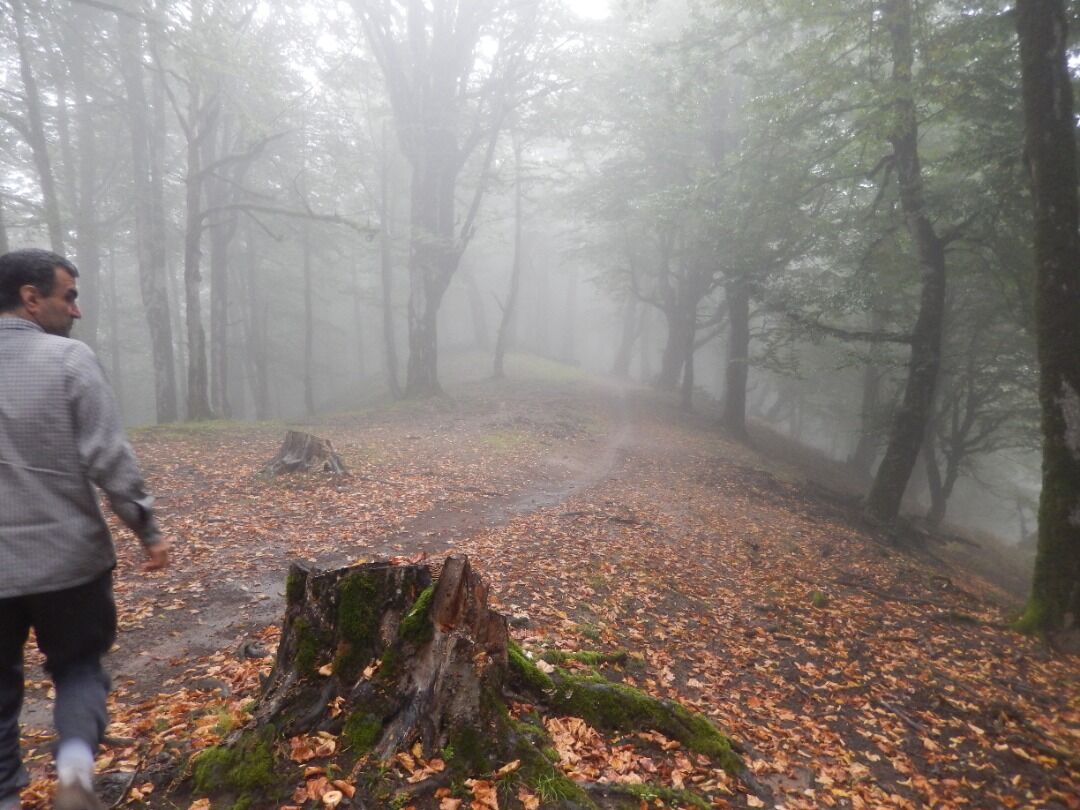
column 60, row 433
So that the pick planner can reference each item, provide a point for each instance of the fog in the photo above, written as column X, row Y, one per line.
column 284, row 209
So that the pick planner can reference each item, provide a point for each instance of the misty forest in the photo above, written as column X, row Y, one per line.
column 574, row 403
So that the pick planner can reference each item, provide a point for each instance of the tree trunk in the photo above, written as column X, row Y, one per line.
column 862, row 457
column 386, row 273
column 35, row 130
column 630, row 329
column 437, row 654
column 255, row 337
column 4, row 245
column 221, row 229
column 934, row 485
column 201, row 121
column 686, row 399
column 149, row 231
column 117, row 380
column 737, row 370
column 910, row 420
column 88, row 207
column 510, row 304
column 568, row 350
column 358, row 321
column 1051, row 154
column 309, row 322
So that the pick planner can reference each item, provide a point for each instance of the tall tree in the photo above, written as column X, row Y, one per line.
column 450, row 99
column 1051, row 156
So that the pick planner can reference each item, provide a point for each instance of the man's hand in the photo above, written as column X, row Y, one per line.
column 157, row 557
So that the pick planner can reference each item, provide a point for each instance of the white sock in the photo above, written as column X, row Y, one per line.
column 75, row 763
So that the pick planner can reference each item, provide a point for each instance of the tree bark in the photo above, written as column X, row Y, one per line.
column 510, row 304
column 302, row 452
column 909, row 425
column 386, row 273
column 255, row 337
column 737, row 369
column 35, row 130
column 149, row 232
column 1051, row 155
column 88, row 207
column 201, row 123
column 631, row 327
column 309, row 322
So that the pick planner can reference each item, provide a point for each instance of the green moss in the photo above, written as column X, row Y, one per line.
column 246, row 767
column 616, row 707
column 473, row 750
column 359, row 604
column 307, row 647
column 589, row 658
column 526, row 672
column 362, row 732
column 669, row 796
column 294, row 588
column 552, row 785
column 416, row 627
column 819, row 600
column 243, row 803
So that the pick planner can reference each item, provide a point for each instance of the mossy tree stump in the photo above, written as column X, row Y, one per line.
column 302, row 452
column 385, row 657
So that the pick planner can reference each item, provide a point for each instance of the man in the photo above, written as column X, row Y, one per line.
column 60, row 433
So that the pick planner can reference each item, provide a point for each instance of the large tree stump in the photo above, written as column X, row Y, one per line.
column 302, row 452
column 385, row 658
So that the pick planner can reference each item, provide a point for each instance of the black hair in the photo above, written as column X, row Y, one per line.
column 29, row 266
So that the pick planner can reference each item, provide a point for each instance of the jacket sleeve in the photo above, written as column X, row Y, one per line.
column 106, row 456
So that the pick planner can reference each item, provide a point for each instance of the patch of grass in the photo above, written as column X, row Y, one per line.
column 589, row 631
column 819, row 600
column 505, row 441
column 542, row 369
column 208, row 428
column 648, row 794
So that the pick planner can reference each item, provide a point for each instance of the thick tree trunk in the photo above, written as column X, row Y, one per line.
column 35, row 130
column 1051, row 153
column 910, row 420
column 737, row 370
column 149, row 232
column 510, row 304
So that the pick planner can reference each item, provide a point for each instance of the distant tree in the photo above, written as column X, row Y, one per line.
column 1051, row 157
column 453, row 72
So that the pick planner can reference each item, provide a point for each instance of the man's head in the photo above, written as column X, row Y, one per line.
column 39, row 286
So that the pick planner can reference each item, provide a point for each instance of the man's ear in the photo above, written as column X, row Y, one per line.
column 30, row 296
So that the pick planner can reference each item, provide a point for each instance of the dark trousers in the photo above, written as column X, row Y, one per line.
column 74, row 627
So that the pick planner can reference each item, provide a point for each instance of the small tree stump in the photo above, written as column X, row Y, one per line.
column 306, row 453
